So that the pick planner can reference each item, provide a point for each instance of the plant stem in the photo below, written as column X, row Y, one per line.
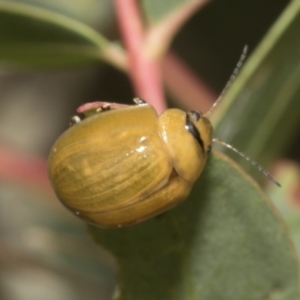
column 144, row 69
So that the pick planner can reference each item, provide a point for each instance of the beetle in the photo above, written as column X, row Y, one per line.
column 121, row 166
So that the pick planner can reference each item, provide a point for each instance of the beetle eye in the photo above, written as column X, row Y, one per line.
column 195, row 115
column 191, row 128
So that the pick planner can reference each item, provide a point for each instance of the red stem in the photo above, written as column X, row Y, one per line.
column 144, row 70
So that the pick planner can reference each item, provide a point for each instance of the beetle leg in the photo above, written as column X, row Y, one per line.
column 104, row 107
column 139, row 101
column 74, row 120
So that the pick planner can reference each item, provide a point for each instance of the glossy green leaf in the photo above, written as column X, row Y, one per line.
column 224, row 242
column 34, row 36
column 260, row 114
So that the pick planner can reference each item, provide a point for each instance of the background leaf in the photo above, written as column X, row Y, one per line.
column 37, row 37
column 286, row 199
column 261, row 111
column 157, row 10
column 224, row 242
column 93, row 13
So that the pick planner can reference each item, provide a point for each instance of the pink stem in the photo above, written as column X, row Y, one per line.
column 144, row 70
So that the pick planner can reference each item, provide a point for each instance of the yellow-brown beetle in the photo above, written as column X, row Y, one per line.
column 125, row 164
column 121, row 166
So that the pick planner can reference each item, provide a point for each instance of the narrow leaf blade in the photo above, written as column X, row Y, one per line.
column 260, row 113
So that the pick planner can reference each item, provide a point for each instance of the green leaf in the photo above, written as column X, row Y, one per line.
column 224, row 242
column 260, row 114
column 158, row 10
column 286, row 199
column 34, row 36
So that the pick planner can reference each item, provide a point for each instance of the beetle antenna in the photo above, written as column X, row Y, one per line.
column 254, row 163
column 230, row 81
